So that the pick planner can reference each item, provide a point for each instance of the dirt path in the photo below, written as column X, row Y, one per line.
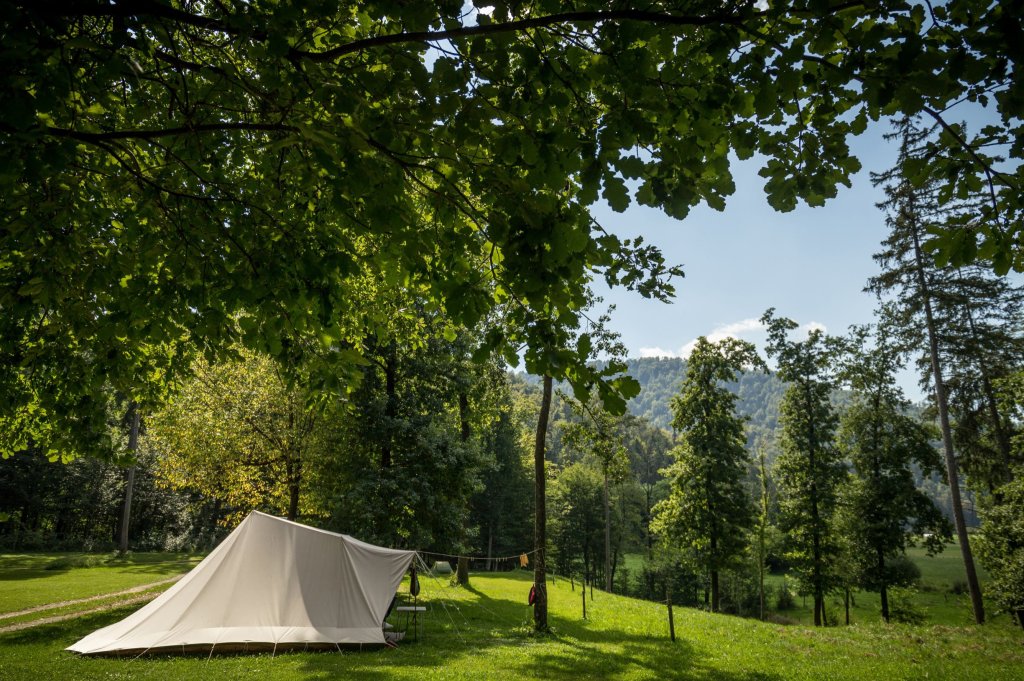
column 78, row 601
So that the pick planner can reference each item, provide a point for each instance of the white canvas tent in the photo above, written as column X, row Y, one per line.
column 270, row 583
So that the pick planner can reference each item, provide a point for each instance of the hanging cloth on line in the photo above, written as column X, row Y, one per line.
column 524, row 560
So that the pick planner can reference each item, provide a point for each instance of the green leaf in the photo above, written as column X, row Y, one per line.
column 615, row 193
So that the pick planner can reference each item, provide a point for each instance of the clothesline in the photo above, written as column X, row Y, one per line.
column 457, row 556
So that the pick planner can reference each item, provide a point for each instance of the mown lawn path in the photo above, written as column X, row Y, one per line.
column 79, row 601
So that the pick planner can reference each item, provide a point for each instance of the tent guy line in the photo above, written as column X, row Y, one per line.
column 492, row 558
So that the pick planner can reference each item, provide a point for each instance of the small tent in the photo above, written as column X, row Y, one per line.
column 270, row 583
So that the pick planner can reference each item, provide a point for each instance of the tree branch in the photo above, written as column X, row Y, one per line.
column 167, row 132
column 590, row 17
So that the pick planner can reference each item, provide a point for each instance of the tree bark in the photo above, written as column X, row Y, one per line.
column 133, row 447
column 462, row 571
column 540, row 603
column 947, row 440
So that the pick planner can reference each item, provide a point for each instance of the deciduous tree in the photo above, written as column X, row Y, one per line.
column 169, row 168
column 238, row 432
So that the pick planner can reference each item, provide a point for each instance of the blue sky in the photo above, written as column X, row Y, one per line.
column 811, row 264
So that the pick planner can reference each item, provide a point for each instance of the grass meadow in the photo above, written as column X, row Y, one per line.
column 483, row 632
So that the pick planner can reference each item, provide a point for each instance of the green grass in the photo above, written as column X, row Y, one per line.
column 934, row 595
column 483, row 633
column 30, row 580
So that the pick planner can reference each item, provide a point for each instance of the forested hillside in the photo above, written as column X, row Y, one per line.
column 660, row 378
column 759, row 397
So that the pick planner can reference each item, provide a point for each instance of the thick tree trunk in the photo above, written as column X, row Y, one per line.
column 462, row 571
column 947, row 441
column 540, row 603
column 133, row 446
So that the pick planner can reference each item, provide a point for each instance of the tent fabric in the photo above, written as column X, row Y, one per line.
column 271, row 582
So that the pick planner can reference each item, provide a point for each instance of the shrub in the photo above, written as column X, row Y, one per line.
column 738, row 593
column 958, row 587
column 784, row 599
column 903, row 608
column 903, row 571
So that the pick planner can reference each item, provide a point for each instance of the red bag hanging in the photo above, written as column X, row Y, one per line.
column 533, row 594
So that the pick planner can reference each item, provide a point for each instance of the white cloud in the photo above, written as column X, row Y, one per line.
column 806, row 329
column 734, row 330
column 657, row 352
column 744, row 327
column 720, row 333
column 738, row 329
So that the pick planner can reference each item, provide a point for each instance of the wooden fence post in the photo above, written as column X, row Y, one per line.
column 671, row 621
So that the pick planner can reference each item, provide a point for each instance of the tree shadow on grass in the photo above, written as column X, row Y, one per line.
column 466, row 631
column 496, row 632
column 158, row 569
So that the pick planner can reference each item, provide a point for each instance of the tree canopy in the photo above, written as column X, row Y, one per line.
column 180, row 175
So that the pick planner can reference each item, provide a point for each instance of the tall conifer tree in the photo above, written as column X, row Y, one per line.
column 884, row 508
column 808, row 470
column 961, row 321
column 709, row 510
